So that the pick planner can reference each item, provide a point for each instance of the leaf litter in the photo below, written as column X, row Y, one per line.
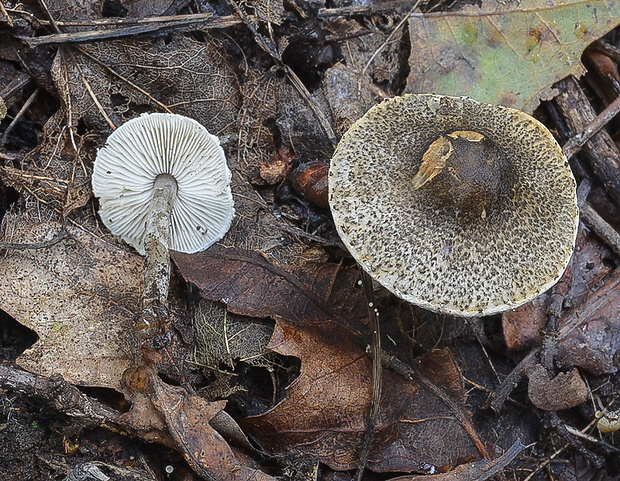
column 264, row 268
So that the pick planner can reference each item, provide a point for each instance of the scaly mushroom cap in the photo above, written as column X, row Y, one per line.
column 456, row 206
column 147, row 146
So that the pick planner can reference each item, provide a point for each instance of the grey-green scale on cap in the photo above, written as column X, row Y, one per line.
column 491, row 227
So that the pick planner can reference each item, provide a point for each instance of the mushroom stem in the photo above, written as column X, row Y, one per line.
column 154, row 309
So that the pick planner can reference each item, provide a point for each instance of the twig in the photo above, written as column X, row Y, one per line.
column 610, row 448
column 601, row 228
column 3, row 11
column 498, row 398
column 554, row 421
column 19, row 115
column 49, row 16
column 594, row 221
column 61, row 235
column 152, row 25
column 15, row 86
column 65, row 397
column 575, row 143
column 377, row 371
column 600, row 151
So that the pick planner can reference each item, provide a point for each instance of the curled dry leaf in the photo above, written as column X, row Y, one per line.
column 326, row 407
column 508, row 53
column 185, row 418
column 566, row 390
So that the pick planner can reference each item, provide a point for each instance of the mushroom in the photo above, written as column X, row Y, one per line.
column 162, row 183
column 457, row 206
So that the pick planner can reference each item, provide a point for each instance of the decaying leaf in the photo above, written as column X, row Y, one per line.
column 298, row 123
column 78, row 295
column 256, row 143
column 222, row 338
column 268, row 10
column 101, row 81
column 508, row 53
column 370, row 60
column 325, row 407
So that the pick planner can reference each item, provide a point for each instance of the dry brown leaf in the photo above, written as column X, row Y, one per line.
column 324, row 412
column 523, row 327
column 187, row 418
column 251, row 284
column 590, row 333
column 590, row 330
column 78, row 295
column 169, row 415
column 566, row 390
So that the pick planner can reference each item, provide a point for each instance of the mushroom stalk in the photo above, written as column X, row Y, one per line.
column 162, row 183
column 154, row 308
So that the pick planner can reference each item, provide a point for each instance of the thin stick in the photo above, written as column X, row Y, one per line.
column 61, row 235
column 377, row 371
column 575, row 143
column 19, row 115
column 601, row 228
column 154, row 25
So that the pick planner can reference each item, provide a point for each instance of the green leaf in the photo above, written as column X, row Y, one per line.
column 508, row 53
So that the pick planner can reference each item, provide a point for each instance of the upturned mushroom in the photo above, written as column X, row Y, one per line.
column 162, row 183
column 457, row 206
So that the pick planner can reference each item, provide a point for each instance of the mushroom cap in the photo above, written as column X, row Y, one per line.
column 147, row 146
column 423, row 247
